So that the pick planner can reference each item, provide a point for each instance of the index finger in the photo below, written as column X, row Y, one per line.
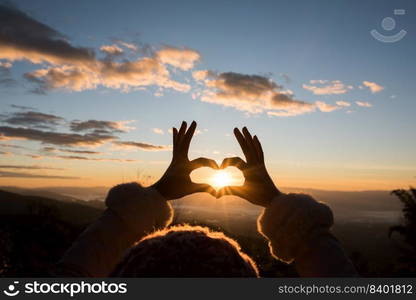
column 181, row 134
column 250, row 145
column 188, row 137
column 243, row 144
column 175, row 140
column 259, row 148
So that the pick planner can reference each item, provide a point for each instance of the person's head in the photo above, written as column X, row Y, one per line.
column 186, row 251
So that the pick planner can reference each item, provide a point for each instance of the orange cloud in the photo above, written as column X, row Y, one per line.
column 63, row 77
column 181, row 58
column 116, row 75
column 201, row 74
column 343, row 103
column 140, row 73
column 111, row 49
column 325, row 107
column 251, row 93
column 374, row 87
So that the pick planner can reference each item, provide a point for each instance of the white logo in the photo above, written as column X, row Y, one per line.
column 389, row 24
column 11, row 291
column 70, row 289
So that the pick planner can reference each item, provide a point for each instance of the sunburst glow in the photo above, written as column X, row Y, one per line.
column 221, row 179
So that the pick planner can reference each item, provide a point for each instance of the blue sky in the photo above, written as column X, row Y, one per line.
column 353, row 147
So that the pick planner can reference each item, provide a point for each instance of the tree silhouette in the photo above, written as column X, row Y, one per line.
column 407, row 230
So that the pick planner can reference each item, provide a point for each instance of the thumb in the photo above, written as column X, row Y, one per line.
column 231, row 190
column 203, row 188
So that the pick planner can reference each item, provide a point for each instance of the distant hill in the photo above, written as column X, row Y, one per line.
column 82, row 193
column 62, row 192
column 56, row 195
column 359, row 200
column 348, row 207
column 340, row 201
column 50, row 225
column 39, row 192
column 75, row 212
column 355, row 206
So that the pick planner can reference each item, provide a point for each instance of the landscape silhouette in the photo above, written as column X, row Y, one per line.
column 139, row 234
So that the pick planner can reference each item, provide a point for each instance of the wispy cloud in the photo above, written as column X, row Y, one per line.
column 52, row 150
column 130, row 46
column 34, row 156
column 6, row 79
column 374, row 87
column 55, row 138
column 31, row 175
column 99, row 126
column 363, row 103
column 141, row 146
column 111, row 49
column 343, row 103
column 12, row 146
column 43, row 128
column 22, row 107
column 32, row 119
column 29, row 167
column 325, row 107
column 286, row 78
column 326, row 87
column 158, row 131
column 5, row 64
column 75, row 157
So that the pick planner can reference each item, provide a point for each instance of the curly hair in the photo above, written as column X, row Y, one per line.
column 186, row 251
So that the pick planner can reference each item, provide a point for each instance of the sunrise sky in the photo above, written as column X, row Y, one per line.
column 90, row 89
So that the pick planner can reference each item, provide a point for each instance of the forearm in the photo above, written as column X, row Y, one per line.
column 132, row 213
column 325, row 257
column 298, row 229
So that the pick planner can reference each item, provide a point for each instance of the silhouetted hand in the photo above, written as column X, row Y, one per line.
column 176, row 181
column 258, row 187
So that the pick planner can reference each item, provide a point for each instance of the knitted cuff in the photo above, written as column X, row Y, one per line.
column 143, row 209
column 292, row 222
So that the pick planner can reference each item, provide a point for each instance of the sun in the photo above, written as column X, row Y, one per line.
column 221, row 179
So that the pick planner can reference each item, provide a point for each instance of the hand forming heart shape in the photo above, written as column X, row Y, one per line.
column 258, row 187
